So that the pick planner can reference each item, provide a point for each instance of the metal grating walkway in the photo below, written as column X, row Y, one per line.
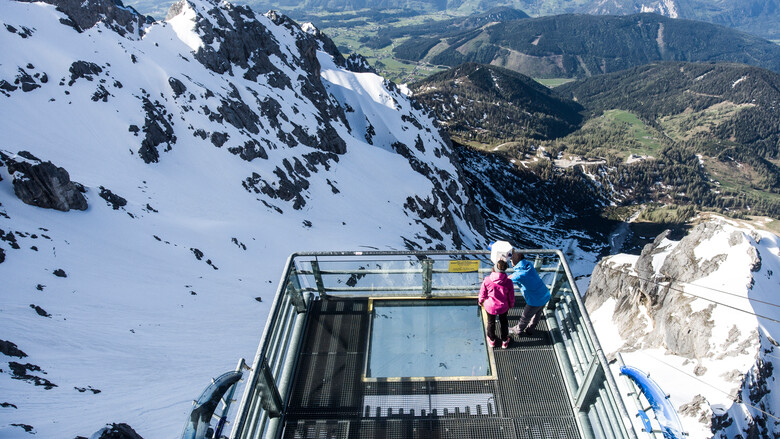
column 330, row 400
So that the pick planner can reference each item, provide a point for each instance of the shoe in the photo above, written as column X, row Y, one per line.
column 505, row 343
column 514, row 330
column 492, row 343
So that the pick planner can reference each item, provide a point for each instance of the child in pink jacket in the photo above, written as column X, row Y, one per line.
column 496, row 296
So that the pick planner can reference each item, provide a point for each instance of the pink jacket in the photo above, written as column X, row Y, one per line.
column 497, row 294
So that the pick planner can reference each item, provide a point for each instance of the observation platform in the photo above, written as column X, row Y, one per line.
column 392, row 345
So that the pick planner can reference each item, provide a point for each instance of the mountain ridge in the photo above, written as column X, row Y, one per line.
column 582, row 45
column 474, row 98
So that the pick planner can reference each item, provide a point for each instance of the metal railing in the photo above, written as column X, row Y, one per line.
column 593, row 392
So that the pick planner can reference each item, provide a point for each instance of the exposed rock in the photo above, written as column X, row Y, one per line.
column 41, row 312
column 113, row 200
column 10, row 238
column 26, row 81
column 327, row 45
column 198, row 254
column 25, row 427
column 84, row 389
column 674, row 324
column 250, row 151
column 357, row 63
column 118, row 431
column 177, row 86
column 83, row 69
column 370, row 133
column 44, row 185
column 20, row 372
column 60, row 273
column 10, row 349
column 238, row 114
column 218, row 139
column 7, row 86
column 83, row 14
column 158, row 130
column 242, row 40
column 8, row 404
column 697, row 408
column 240, row 245
column 755, row 259
column 101, row 94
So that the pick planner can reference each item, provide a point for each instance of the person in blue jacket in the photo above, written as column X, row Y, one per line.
column 534, row 291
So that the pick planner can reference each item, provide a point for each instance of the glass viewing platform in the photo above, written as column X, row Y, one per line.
column 392, row 345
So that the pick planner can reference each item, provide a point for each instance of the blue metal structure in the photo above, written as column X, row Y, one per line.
column 664, row 411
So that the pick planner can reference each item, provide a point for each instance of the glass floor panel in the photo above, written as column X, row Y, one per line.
column 427, row 338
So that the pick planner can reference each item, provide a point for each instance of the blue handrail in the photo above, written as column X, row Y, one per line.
column 667, row 417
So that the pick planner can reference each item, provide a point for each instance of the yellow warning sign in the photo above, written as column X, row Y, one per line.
column 464, row 266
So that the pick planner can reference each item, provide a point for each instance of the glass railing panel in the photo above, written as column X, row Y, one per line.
column 363, row 276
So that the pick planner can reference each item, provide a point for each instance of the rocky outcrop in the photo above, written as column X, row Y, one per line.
column 241, row 40
column 113, row 200
column 118, row 431
column 83, row 14
column 675, row 324
column 684, row 298
column 357, row 63
column 43, row 184
column 10, row 349
column 158, row 130
column 83, row 69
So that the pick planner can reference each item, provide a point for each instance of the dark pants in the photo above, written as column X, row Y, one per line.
column 491, row 329
column 530, row 317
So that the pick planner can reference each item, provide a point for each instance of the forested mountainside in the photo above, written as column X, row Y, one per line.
column 713, row 131
column 583, row 45
column 429, row 34
column 686, row 133
column 488, row 104
column 747, row 99
column 728, row 112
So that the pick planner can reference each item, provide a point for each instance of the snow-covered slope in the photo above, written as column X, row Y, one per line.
column 702, row 316
column 208, row 148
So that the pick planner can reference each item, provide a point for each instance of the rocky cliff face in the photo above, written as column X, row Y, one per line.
column 699, row 309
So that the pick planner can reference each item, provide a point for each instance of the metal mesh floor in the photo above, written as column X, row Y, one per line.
column 330, row 399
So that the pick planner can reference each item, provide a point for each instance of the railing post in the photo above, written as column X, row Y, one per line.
column 427, row 274
column 315, row 269
column 296, row 297
column 558, row 279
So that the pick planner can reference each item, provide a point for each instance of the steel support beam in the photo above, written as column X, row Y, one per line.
column 315, row 269
column 427, row 277
column 590, row 386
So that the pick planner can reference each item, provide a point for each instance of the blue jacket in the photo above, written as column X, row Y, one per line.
column 531, row 285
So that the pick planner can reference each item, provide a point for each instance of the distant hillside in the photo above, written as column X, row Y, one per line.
column 716, row 122
column 758, row 17
column 426, row 35
column 582, row 46
column 487, row 103
column 708, row 103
